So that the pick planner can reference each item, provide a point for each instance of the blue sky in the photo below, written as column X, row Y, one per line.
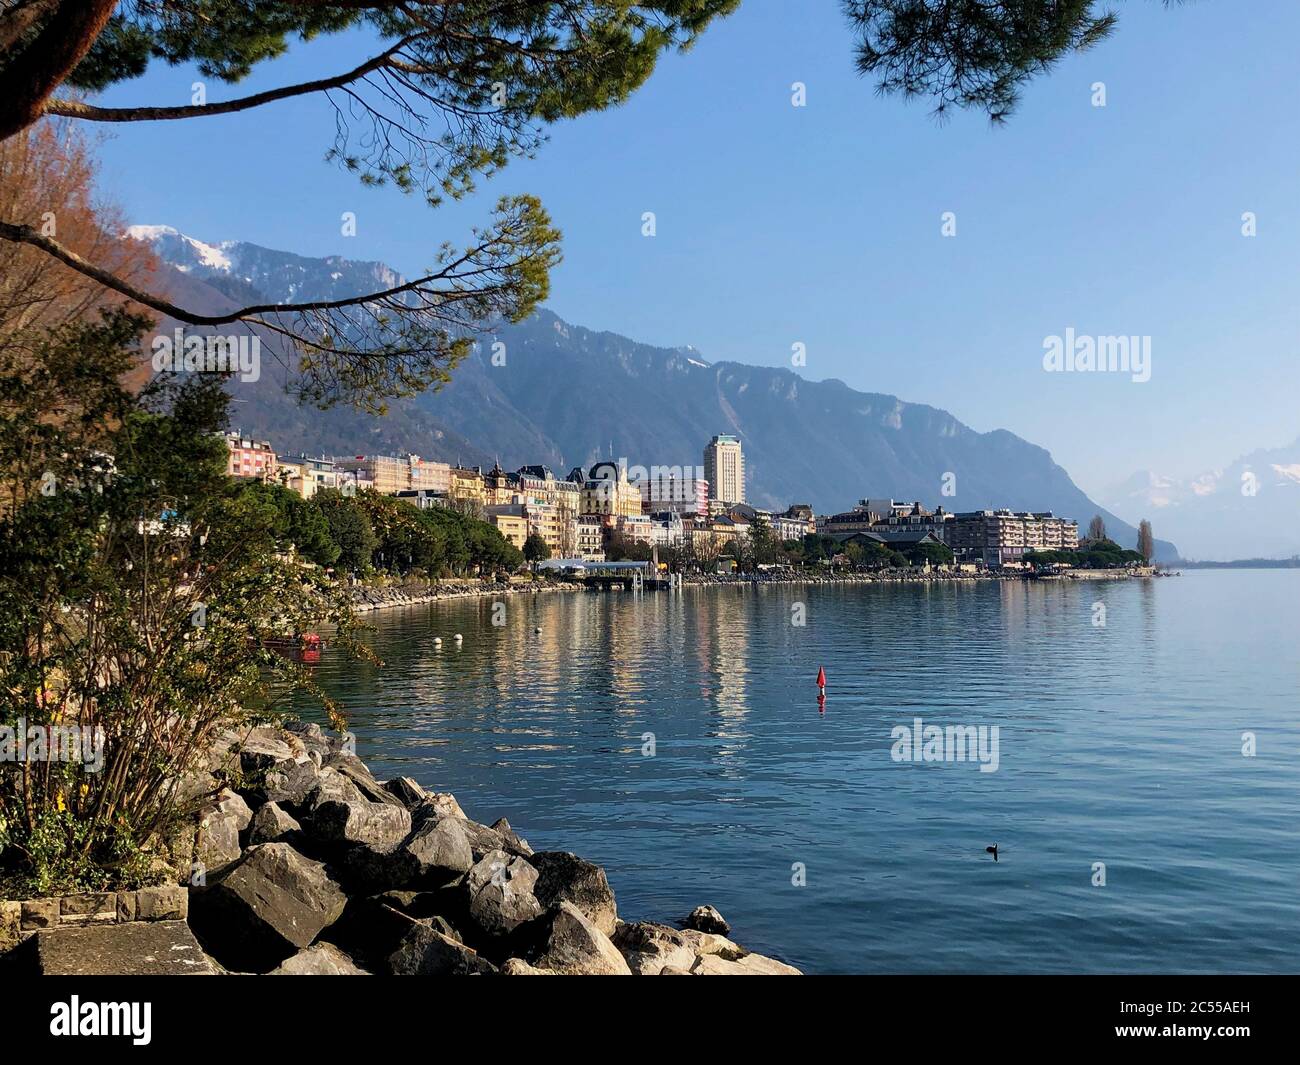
column 821, row 224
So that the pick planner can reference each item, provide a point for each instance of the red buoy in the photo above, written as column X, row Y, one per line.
column 821, row 677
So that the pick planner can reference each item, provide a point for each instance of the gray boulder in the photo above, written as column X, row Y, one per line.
column 500, row 889
column 519, row 967
column 376, row 825
column 564, row 877
column 272, row 824
column 484, row 840
column 513, row 841
column 330, row 786
column 406, row 791
column 425, row 951
column 436, row 852
column 707, row 919
column 369, row 931
column 441, row 804
column 323, row 959
column 220, row 823
column 352, row 767
column 288, row 783
column 267, row 906
column 749, row 965
column 571, row 944
column 265, row 747
column 649, row 948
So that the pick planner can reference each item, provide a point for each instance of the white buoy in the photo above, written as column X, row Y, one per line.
column 437, row 641
column 459, row 637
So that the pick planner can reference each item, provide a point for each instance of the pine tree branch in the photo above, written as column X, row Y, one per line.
column 91, row 113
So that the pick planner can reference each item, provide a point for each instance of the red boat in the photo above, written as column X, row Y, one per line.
column 305, row 647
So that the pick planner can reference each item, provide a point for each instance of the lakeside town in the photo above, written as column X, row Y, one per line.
column 683, row 517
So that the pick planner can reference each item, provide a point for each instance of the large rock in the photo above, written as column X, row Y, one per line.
column 407, row 791
column 288, row 783
column 749, row 965
column 143, row 948
column 192, row 786
column 484, row 840
column 372, row 926
column 220, row 823
column 376, row 825
column 500, row 888
column 270, row 904
column 519, row 967
column 164, row 902
column 707, row 943
column 649, row 949
column 425, row 951
column 564, row 877
column 313, row 738
column 323, row 959
column 571, row 944
column 272, row 824
column 436, row 852
column 352, row 767
column 444, row 804
column 514, row 842
column 265, row 747
column 370, row 930
column 428, row 906
column 330, row 786
column 707, row 919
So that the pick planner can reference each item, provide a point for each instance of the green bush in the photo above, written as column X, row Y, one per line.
column 139, row 587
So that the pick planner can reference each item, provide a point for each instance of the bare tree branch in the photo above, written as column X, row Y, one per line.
column 23, row 234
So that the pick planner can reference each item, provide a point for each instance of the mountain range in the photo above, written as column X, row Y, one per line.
column 1246, row 509
column 564, row 396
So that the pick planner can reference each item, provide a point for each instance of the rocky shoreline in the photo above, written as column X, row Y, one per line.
column 300, row 862
column 368, row 598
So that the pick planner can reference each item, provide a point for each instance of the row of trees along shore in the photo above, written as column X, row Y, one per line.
column 367, row 533
column 760, row 547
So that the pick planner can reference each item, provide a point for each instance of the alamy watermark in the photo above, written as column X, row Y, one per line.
column 115, row 1019
column 666, row 484
column 920, row 742
column 1073, row 353
column 240, row 355
column 53, row 743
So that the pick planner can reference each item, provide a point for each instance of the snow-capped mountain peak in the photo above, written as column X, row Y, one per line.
column 184, row 252
column 236, row 266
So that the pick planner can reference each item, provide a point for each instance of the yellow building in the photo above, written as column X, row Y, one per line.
column 295, row 476
column 510, row 523
column 465, row 486
column 608, row 493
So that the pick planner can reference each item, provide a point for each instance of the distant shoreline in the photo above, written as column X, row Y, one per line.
column 1243, row 563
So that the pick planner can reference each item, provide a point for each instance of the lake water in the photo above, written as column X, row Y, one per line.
column 1118, row 744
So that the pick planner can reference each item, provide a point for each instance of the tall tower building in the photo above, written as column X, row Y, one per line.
column 724, row 469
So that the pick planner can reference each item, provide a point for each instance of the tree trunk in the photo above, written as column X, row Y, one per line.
column 31, row 77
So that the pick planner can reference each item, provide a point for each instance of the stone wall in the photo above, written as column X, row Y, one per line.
column 22, row 917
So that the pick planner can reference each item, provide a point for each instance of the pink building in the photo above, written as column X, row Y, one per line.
column 250, row 458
